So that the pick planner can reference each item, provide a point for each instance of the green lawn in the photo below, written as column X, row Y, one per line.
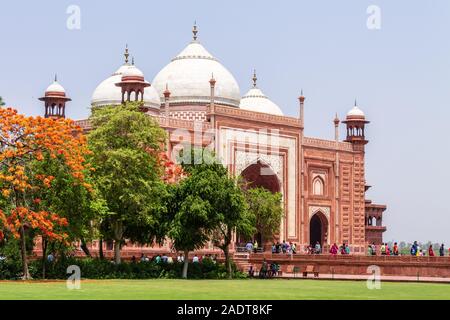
column 221, row 290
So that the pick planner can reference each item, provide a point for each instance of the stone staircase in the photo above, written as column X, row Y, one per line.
column 242, row 261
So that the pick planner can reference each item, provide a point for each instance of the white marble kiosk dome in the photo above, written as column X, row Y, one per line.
column 107, row 93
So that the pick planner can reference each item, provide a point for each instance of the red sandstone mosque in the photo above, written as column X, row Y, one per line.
column 196, row 99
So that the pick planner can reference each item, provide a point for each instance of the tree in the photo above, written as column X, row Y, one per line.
column 78, row 203
column 191, row 217
column 266, row 210
column 232, row 213
column 126, row 147
column 24, row 142
column 2, row 103
column 214, row 201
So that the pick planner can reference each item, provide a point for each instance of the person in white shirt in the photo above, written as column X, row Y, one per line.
column 195, row 259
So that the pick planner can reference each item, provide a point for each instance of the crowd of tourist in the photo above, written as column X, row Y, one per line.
column 414, row 250
column 383, row 249
column 290, row 248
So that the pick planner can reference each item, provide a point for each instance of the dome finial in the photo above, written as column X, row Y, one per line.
column 195, row 31
column 126, row 54
column 356, row 104
column 132, row 60
column 254, row 78
column 56, row 77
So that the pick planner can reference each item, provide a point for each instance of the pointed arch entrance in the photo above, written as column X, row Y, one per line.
column 318, row 229
column 259, row 174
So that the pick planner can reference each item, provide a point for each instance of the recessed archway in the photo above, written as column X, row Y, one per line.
column 259, row 174
column 318, row 228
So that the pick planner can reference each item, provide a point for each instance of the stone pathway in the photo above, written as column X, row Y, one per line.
column 365, row 277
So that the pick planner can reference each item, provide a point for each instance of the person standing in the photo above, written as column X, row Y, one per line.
column 395, row 249
column 414, row 250
column 255, row 246
column 318, row 248
column 249, row 247
column 334, row 249
column 442, row 250
column 383, row 249
column 374, row 249
column 430, row 251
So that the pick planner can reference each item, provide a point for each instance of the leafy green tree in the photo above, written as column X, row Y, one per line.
column 191, row 217
column 215, row 200
column 266, row 210
column 2, row 103
column 79, row 203
column 126, row 145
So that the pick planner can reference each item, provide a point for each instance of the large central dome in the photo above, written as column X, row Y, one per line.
column 187, row 77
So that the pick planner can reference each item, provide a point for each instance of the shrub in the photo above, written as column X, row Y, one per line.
column 105, row 269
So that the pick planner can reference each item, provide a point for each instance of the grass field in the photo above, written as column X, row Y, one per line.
column 220, row 290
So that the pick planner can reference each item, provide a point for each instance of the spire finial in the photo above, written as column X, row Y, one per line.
column 254, row 78
column 56, row 77
column 195, row 31
column 126, row 54
column 336, row 119
column 356, row 104
column 132, row 60
column 301, row 92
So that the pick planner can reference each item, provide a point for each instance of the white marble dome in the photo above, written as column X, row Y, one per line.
column 256, row 100
column 107, row 93
column 188, row 75
column 132, row 71
column 55, row 87
column 356, row 112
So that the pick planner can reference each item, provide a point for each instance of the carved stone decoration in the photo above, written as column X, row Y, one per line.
column 314, row 209
column 247, row 158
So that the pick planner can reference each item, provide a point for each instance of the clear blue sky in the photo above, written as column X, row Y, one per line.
column 399, row 74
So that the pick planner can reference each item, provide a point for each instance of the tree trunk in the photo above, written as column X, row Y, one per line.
column 85, row 248
column 117, row 259
column 23, row 250
column 118, row 234
column 100, row 249
column 226, row 252
column 44, row 254
column 186, row 264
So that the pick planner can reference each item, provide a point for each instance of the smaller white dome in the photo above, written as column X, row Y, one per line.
column 256, row 100
column 107, row 93
column 356, row 112
column 55, row 87
column 132, row 71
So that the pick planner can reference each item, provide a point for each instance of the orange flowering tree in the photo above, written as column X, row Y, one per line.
column 25, row 142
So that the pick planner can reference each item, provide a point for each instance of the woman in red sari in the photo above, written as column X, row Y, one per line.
column 430, row 251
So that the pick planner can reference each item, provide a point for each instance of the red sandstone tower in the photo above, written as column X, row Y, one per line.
column 356, row 122
column 55, row 101
column 133, row 83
